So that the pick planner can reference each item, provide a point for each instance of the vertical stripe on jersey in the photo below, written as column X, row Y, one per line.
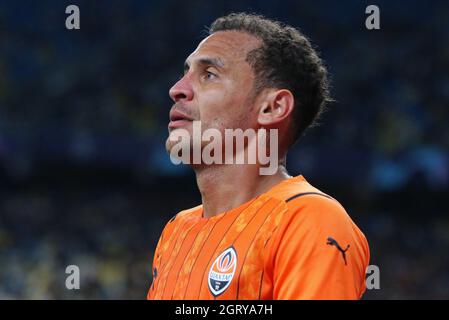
column 244, row 220
column 196, row 253
column 253, row 264
column 238, row 217
column 175, row 250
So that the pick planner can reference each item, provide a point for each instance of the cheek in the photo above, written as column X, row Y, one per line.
column 213, row 108
column 224, row 108
column 223, row 116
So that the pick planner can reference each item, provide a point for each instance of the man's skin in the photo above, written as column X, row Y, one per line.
column 217, row 89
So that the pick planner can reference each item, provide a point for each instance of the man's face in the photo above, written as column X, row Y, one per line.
column 216, row 88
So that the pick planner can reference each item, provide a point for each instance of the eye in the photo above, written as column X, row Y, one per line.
column 208, row 75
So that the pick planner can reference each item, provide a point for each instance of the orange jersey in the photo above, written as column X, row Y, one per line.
column 292, row 242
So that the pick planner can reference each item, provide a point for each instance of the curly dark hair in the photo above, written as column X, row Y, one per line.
column 286, row 59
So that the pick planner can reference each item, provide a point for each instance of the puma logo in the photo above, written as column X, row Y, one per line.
column 331, row 241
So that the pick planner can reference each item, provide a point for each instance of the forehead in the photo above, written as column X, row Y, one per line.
column 229, row 46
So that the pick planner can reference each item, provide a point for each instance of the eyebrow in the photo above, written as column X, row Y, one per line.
column 215, row 62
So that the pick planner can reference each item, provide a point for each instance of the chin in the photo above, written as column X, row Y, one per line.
column 168, row 145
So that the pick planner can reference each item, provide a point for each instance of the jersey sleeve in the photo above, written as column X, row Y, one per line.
column 155, row 267
column 318, row 252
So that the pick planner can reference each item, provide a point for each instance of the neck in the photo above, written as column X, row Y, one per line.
column 224, row 187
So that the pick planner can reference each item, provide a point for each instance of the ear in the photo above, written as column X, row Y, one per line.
column 277, row 105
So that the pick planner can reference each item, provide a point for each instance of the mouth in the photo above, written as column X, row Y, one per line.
column 178, row 119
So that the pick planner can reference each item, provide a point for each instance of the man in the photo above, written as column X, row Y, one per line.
column 256, row 236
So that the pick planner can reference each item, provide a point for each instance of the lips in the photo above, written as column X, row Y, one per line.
column 178, row 119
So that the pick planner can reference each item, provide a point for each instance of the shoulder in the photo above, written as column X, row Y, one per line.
column 186, row 214
column 316, row 209
column 305, row 202
column 310, row 215
column 180, row 219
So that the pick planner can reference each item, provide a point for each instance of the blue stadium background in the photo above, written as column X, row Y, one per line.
column 85, row 180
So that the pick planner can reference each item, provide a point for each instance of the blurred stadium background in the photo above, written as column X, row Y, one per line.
column 84, row 178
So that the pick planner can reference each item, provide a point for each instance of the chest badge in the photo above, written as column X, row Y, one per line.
column 222, row 271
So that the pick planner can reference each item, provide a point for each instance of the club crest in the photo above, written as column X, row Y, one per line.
column 222, row 271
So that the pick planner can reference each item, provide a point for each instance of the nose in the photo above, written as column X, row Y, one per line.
column 181, row 90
